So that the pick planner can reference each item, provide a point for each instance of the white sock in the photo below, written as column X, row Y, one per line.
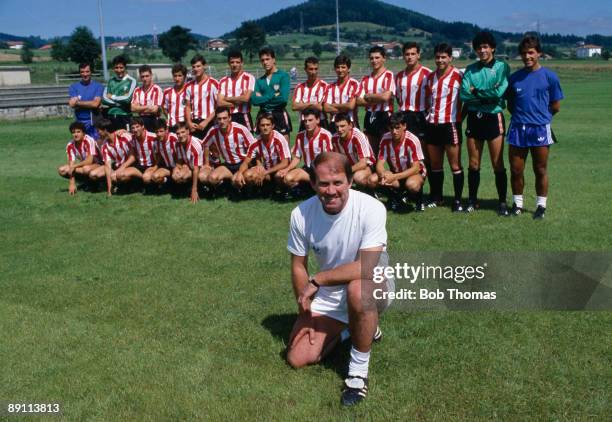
column 358, row 366
column 518, row 200
column 541, row 200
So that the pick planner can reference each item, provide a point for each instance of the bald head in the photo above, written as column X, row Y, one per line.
column 334, row 162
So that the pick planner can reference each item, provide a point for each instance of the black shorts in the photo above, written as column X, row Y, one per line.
column 485, row 126
column 309, row 170
column 202, row 133
column 282, row 121
column 416, row 123
column 232, row 167
column 323, row 123
column 244, row 119
column 376, row 123
column 444, row 134
column 120, row 122
column 140, row 167
column 149, row 122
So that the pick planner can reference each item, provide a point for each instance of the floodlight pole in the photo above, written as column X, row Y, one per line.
column 337, row 30
column 103, row 43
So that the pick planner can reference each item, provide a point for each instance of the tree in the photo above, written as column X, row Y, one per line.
column 251, row 37
column 176, row 42
column 83, row 47
column 317, row 49
column 26, row 53
column 59, row 51
column 605, row 54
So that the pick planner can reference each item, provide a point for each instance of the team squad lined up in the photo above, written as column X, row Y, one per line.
column 200, row 134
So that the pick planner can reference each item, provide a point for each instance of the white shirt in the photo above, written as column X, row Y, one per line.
column 337, row 239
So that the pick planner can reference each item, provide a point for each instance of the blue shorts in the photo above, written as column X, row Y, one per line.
column 527, row 136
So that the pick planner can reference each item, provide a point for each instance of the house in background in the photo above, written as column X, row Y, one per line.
column 120, row 45
column 457, row 52
column 216, row 44
column 15, row 45
column 588, row 50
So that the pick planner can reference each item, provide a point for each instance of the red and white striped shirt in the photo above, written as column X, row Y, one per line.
column 310, row 94
column 191, row 152
column 118, row 150
column 342, row 93
column 168, row 150
column 202, row 97
column 80, row 151
column 230, row 87
column 153, row 96
column 443, row 97
column 401, row 156
column 174, row 105
column 232, row 145
column 308, row 149
column 146, row 148
column 377, row 85
column 411, row 93
column 270, row 153
column 356, row 147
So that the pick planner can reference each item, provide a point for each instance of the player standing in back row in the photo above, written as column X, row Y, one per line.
column 310, row 94
column 444, row 125
column 534, row 96
column 340, row 96
column 200, row 99
column 147, row 99
column 235, row 91
column 482, row 90
column 377, row 92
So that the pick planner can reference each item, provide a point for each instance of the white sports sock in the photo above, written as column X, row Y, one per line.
column 358, row 366
column 541, row 200
column 518, row 200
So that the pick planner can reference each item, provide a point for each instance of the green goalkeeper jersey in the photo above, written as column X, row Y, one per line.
column 490, row 82
column 121, row 90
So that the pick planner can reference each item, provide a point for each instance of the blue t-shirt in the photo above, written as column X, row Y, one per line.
column 532, row 92
column 85, row 93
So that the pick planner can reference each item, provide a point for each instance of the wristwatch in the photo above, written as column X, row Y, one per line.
column 312, row 281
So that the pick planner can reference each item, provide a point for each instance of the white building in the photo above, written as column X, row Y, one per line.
column 457, row 52
column 588, row 50
column 15, row 45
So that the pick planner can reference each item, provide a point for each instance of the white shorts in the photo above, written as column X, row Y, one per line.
column 330, row 301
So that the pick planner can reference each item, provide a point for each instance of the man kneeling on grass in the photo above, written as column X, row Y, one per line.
column 191, row 161
column 83, row 156
column 271, row 152
column 346, row 230
column 118, row 155
column 401, row 150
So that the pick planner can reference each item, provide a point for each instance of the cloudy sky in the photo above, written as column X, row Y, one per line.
column 213, row 18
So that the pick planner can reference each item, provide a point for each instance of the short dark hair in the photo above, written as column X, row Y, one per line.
column 119, row 60
column 104, row 124
column 145, row 68
column 160, row 124
column 443, row 48
column 182, row 125
column 483, row 37
column 342, row 59
column 136, row 121
column 409, row 45
column 530, row 41
column 311, row 60
column 222, row 109
column 396, row 119
column 198, row 58
column 342, row 116
column 84, row 65
column 179, row 68
column 265, row 115
column 377, row 49
column 77, row 125
column 267, row 51
column 309, row 111
column 324, row 157
column 235, row 54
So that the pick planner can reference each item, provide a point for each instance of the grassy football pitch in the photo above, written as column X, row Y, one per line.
column 148, row 307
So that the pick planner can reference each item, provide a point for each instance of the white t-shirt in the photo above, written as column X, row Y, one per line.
column 336, row 239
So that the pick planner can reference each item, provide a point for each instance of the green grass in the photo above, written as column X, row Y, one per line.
column 147, row 307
